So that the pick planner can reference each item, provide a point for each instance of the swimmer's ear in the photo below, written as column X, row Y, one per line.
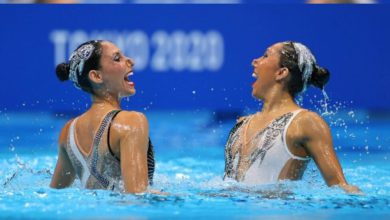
column 282, row 73
column 95, row 76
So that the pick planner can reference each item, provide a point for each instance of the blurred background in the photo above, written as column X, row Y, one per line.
column 192, row 56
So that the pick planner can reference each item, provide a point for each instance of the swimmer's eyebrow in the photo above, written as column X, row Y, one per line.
column 116, row 53
column 270, row 51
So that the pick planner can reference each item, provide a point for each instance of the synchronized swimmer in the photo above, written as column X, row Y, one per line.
column 277, row 142
column 105, row 147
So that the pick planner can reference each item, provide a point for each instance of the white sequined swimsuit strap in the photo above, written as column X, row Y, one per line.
column 79, row 156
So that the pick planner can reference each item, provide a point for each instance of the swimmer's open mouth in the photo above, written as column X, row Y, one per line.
column 127, row 78
column 254, row 75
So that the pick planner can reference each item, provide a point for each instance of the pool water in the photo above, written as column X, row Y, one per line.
column 190, row 161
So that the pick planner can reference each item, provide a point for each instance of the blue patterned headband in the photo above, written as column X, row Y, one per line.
column 77, row 60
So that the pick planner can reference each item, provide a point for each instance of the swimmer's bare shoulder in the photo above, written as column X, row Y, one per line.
column 308, row 115
column 308, row 126
column 128, row 125
column 127, row 121
column 310, row 122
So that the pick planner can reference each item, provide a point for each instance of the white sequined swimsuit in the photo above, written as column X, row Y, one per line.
column 270, row 153
column 100, row 169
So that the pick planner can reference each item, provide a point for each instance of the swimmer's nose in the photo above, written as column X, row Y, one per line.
column 130, row 62
column 253, row 62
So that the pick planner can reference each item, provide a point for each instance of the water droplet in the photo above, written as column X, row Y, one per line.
column 193, row 92
column 181, row 176
column 41, row 193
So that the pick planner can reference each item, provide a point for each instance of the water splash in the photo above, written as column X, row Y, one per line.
column 325, row 103
column 299, row 99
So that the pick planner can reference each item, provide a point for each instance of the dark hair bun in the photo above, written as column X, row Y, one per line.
column 62, row 71
column 319, row 77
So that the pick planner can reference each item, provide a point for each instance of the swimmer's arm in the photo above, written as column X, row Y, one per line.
column 318, row 143
column 64, row 173
column 134, row 140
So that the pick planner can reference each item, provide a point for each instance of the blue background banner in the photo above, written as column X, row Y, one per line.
column 192, row 56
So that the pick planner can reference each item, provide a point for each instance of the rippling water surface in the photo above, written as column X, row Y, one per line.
column 190, row 163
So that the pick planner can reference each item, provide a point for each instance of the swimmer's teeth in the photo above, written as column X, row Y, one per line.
column 254, row 75
column 127, row 78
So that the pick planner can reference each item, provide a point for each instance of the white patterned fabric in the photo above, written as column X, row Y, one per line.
column 265, row 163
column 77, row 60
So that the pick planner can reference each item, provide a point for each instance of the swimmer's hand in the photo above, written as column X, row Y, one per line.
column 350, row 189
column 158, row 192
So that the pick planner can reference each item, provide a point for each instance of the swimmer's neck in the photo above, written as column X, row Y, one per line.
column 106, row 101
column 277, row 101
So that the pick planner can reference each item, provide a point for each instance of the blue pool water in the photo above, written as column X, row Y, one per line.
column 190, row 163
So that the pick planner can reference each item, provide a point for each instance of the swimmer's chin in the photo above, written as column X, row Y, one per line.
column 254, row 95
column 129, row 94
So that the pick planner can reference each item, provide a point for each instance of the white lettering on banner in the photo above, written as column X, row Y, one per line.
column 162, row 45
column 216, row 50
column 162, row 51
column 59, row 39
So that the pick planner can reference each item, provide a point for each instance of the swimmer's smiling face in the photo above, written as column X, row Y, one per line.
column 264, row 69
column 116, row 70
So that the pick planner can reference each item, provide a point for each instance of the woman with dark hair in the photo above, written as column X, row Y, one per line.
column 277, row 142
column 105, row 147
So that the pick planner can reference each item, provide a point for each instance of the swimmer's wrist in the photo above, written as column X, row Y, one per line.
column 351, row 189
